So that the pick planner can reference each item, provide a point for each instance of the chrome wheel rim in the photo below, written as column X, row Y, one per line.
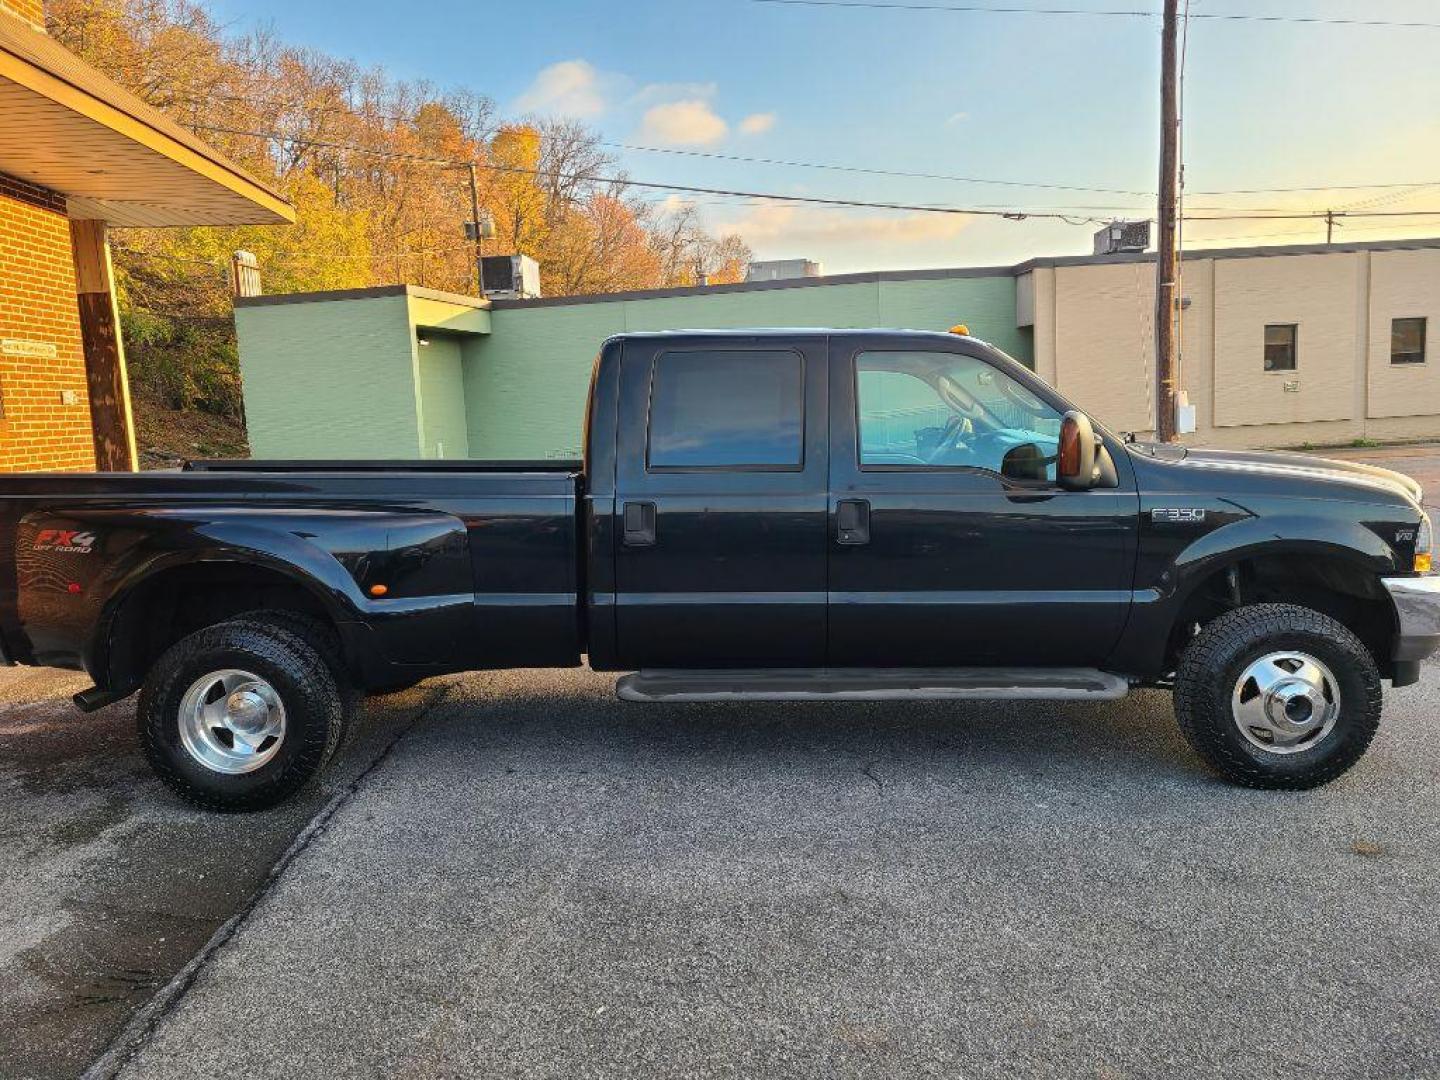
column 1285, row 702
column 232, row 721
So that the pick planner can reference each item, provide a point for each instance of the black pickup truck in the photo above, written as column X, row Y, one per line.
column 759, row 515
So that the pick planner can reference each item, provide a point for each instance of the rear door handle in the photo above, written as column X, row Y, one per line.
column 639, row 524
column 852, row 521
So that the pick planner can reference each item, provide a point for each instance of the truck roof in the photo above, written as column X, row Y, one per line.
column 795, row 331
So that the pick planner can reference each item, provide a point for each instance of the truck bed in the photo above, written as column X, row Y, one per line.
column 479, row 562
column 326, row 465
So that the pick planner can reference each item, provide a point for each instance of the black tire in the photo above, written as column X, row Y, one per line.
column 323, row 639
column 1212, row 665
column 299, row 676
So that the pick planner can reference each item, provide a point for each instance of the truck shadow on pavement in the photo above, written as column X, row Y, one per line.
column 1136, row 737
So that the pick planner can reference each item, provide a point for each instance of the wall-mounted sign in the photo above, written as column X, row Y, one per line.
column 39, row 350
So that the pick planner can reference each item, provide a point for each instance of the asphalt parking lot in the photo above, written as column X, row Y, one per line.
column 540, row 881
column 514, row 875
column 110, row 885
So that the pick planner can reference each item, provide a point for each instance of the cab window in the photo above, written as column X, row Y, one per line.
column 942, row 410
column 727, row 409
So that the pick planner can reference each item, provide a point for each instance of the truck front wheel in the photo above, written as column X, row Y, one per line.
column 1277, row 696
column 240, row 715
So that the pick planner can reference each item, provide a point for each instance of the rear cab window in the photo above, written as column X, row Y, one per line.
column 734, row 409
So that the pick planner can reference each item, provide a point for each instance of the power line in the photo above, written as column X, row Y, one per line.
column 711, row 155
column 815, row 200
column 714, row 155
column 221, row 261
column 1319, row 187
column 1217, row 16
column 1012, row 214
column 1310, row 215
column 948, row 178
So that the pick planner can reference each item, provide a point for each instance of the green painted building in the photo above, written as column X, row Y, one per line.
column 405, row 372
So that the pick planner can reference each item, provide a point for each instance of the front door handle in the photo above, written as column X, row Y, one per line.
column 639, row 524
column 852, row 521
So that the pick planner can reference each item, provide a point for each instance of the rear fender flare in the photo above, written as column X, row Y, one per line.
column 303, row 563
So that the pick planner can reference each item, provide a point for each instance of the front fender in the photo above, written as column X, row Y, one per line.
column 1172, row 582
column 1296, row 534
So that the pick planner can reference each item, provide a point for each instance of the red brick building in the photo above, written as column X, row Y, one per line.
column 79, row 155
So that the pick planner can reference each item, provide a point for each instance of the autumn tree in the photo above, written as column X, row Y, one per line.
column 378, row 171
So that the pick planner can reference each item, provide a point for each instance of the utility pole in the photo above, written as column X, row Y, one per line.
column 1329, row 226
column 1167, row 258
column 479, row 233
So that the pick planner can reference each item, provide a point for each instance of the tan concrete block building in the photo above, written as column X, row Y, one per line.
column 1280, row 345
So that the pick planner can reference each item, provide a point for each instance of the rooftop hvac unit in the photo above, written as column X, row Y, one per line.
column 782, row 269
column 510, row 277
column 1121, row 237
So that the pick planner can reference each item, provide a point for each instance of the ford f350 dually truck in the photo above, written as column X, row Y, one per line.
column 759, row 515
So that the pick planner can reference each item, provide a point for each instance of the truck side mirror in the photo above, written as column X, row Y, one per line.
column 1075, row 465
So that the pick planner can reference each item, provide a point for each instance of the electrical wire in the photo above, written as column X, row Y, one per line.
column 1218, row 16
column 813, row 200
column 1010, row 214
column 221, row 261
column 711, row 155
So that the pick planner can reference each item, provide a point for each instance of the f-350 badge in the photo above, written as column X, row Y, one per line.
column 1177, row 515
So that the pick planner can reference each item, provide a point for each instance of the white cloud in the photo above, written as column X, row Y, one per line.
column 682, row 123
column 776, row 225
column 957, row 118
column 673, row 204
column 757, row 123
column 569, row 88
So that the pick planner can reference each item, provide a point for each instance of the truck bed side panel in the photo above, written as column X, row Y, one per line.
column 477, row 569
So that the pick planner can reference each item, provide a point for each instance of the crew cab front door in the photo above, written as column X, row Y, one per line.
column 721, row 502
column 950, row 544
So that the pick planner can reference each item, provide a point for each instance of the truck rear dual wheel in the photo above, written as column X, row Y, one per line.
column 1278, row 696
column 240, row 715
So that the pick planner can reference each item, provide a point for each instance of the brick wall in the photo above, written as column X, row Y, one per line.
column 31, row 10
column 37, row 306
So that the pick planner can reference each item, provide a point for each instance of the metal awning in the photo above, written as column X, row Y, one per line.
column 66, row 127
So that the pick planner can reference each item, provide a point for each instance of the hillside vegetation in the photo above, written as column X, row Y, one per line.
column 376, row 168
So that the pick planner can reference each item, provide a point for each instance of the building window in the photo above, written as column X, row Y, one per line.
column 727, row 409
column 1407, row 341
column 1280, row 347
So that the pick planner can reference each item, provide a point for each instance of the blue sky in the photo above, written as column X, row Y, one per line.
column 1062, row 100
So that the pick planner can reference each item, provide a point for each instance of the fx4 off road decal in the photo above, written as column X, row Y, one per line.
column 65, row 541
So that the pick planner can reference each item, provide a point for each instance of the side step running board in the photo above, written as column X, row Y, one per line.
column 874, row 684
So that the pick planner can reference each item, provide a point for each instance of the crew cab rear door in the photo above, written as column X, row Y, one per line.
column 943, row 552
column 721, row 501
